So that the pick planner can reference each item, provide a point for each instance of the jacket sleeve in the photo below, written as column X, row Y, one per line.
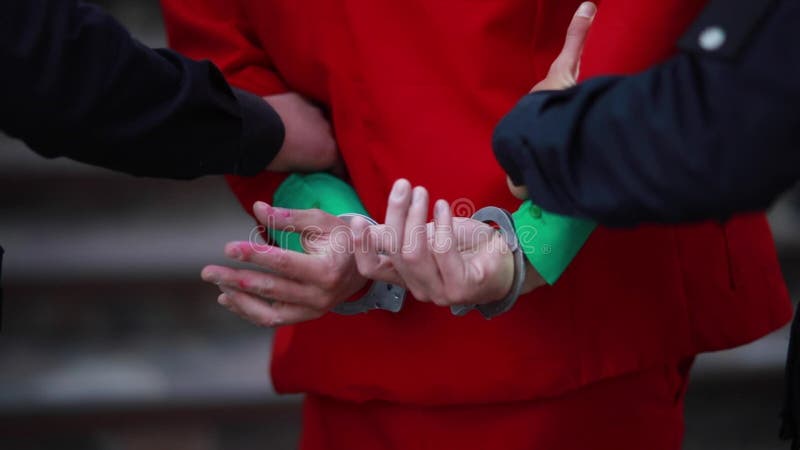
column 76, row 84
column 709, row 133
column 219, row 30
column 616, row 44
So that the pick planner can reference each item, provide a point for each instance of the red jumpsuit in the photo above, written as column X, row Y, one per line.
column 413, row 89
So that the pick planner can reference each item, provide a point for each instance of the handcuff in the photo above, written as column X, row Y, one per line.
column 332, row 195
column 381, row 295
column 505, row 223
column 390, row 297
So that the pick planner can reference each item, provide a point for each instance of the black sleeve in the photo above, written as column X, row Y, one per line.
column 74, row 83
column 712, row 132
column 1, row 288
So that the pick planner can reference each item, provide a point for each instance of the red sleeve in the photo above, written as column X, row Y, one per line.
column 629, row 36
column 217, row 30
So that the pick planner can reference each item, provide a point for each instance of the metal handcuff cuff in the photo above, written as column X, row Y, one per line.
column 390, row 297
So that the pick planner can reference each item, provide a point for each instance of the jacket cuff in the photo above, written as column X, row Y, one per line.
column 550, row 241
column 512, row 136
column 262, row 134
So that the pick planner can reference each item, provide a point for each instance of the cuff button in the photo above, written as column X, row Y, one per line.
column 712, row 39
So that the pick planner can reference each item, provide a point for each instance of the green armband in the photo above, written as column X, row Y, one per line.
column 315, row 191
column 550, row 241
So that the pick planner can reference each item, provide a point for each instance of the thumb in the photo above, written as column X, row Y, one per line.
column 567, row 64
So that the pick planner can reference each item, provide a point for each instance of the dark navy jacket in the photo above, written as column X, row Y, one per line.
column 711, row 132
column 74, row 83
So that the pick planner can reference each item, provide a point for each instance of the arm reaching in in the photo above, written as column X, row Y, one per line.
column 76, row 84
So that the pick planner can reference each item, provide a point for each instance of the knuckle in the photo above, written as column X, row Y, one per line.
column 329, row 280
column 366, row 270
column 316, row 213
column 439, row 301
column 399, row 202
column 420, row 295
column 264, row 288
column 438, row 297
column 573, row 33
column 567, row 79
column 449, row 299
column 490, row 267
column 263, row 321
column 479, row 275
column 456, row 295
column 282, row 261
column 411, row 257
column 327, row 301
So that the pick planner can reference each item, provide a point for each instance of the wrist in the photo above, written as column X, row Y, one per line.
column 533, row 280
column 550, row 241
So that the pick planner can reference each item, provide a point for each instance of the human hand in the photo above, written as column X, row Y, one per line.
column 296, row 287
column 451, row 261
column 565, row 69
column 308, row 145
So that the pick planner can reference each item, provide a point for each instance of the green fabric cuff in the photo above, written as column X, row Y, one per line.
column 550, row 241
column 314, row 191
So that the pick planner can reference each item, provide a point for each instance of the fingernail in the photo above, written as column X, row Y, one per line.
column 441, row 207
column 260, row 207
column 419, row 194
column 587, row 10
column 209, row 276
column 235, row 252
column 223, row 300
column 227, row 291
column 400, row 189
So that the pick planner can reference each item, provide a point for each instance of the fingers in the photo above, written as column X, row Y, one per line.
column 298, row 266
column 405, row 240
column 567, row 64
column 265, row 286
column 416, row 255
column 265, row 314
column 416, row 223
column 371, row 264
column 298, row 220
column 445, row 251
column 520, row 192
column 397, row 211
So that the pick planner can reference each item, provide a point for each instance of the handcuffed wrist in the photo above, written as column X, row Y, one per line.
column 330, row 194
column 550, row 241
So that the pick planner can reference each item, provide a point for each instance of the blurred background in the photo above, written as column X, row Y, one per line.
column 111, row 342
